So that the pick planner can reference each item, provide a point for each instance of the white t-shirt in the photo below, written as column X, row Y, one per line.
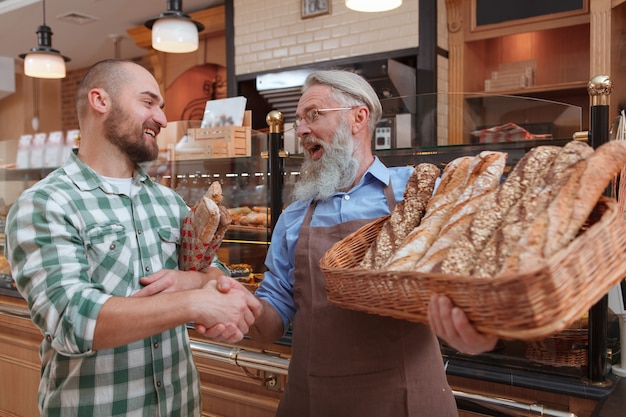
column 122, row 184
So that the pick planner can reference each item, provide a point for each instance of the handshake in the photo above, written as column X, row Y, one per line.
column 203, row 230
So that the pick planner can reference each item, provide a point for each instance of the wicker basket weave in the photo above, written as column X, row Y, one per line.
column 566, row 348
column 528, row 306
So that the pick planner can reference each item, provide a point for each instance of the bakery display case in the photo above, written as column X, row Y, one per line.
column 256, row 187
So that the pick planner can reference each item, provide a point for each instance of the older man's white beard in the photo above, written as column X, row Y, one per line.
column 335, row 171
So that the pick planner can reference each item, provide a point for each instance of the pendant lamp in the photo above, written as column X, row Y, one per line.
column 173, row 31
column 43, row 61
column 373, row 5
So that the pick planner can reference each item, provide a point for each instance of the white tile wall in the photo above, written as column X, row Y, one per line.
column 272, row 35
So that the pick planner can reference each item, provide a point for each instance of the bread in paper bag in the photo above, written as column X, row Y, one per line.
column 203, row 230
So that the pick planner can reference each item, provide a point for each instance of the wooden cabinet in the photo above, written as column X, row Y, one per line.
column 19, row 360
column 566, row 50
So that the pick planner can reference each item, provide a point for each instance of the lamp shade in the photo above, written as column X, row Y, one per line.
column 43, row 61
column 44, row 65
column 173, row 31
column 174, row 35
column 373, row 5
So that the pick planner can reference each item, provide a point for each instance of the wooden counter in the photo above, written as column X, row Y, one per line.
column 230, row 389
column 19, row 359
column 227, row 390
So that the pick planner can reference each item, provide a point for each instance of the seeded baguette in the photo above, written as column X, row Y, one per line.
column 405, row 216
column 516, row 238
column 461, row 174
column 567, row 212
column 417, row 241
column 462, row 257
column 489, row 172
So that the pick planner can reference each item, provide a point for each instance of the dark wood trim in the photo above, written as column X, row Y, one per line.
column 426, row 114
column 231, row 84
column 336, row 63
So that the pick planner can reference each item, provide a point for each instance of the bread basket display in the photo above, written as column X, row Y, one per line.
column 524, row 307
column 541, row 301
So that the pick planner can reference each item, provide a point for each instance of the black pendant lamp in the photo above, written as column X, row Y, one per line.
column 43, row 61
column 173, row 31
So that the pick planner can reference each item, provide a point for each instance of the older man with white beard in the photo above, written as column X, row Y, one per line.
column 345, row 363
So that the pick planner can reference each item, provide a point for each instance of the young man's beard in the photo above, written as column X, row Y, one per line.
column 133, row 144
column 335, row 171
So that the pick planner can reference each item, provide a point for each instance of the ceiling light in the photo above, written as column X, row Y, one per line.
column 173, row 31
column 373, row 5
column 43, row 61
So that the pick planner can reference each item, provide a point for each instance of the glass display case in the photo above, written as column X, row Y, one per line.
column 509, row 124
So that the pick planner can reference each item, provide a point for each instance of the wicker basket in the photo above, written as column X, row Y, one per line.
column 566, row 348
column 528, row 306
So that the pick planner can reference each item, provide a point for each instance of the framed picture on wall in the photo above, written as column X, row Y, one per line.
column 311, row 8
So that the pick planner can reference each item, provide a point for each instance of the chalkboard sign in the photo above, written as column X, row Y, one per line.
column 490, row 12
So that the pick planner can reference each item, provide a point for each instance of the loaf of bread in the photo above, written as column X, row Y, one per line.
column 564, row 175
column 522, row 178
column 203, row 230
column 419, row 240
column 555, row 227
column 488, row 174
column 404, row 217
column 515, row 235
column 462, row 180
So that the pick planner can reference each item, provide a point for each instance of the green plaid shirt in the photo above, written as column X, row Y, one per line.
column 73, row 241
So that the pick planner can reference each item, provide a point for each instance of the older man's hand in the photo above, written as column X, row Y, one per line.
column 451, row 324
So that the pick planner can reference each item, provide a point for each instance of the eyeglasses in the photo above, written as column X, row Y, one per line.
column 312, row 115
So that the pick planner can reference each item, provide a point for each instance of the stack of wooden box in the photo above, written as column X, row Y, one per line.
column 512, row 76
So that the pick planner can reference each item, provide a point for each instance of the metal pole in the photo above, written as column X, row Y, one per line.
column 599, row 89
column 274, row 120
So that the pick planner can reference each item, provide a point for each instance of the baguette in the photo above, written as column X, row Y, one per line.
column 461, row 174
column 566, row 175
column 469, row 202
column 555, row 227
column 516, row 235
column 522, row 178
column 404, row 217
column 203, row 230
column 417, row 241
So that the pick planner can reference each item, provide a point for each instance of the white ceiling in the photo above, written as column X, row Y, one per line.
column 83, row 43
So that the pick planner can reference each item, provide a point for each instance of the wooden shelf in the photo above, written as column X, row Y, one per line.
column 555, row 53
column 574, row 86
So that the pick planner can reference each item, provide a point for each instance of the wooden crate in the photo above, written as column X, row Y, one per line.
column 216, row 142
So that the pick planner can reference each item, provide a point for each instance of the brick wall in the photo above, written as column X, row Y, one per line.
column 272, row 35
column 69, row 85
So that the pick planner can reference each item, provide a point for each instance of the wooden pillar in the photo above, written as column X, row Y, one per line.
column 455, row 48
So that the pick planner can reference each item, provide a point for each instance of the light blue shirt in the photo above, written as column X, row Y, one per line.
column 365, row 201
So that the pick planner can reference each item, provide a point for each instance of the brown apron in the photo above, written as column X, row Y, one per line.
column 350, row 364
